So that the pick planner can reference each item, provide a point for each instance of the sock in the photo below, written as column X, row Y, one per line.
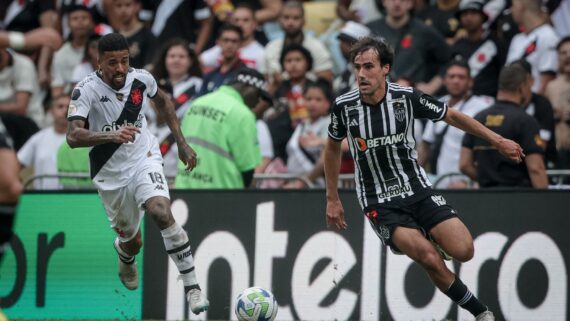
column 7, row 213
column 178, row 248
column 123, row 256
column 460, row 294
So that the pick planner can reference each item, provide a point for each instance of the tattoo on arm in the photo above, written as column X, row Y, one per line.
column 79, row 136
column 166, row 109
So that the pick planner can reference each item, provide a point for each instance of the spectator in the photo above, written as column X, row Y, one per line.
column 308, row 141
column 291, row 109
column 441, row 144
column 19, row 87
column 24, row 16
column 187, row 19
column 89, row 63
column 558, row 91
column 251, row 52
column 39, row 151
column 361, row 11
column 536, row 44
column 419, row 50
column 541, row 109
column 227, row 160
column 292, row 20
column 348, row 35
column 506, row 117
column 71, row 53
column 483, row 51
column 442, row 16
column 229, row 40
column 99, row 10
column 142, row 41
column 177, row 70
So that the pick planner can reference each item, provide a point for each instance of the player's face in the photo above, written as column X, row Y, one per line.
column 292, row 21
column 316, row 102
column 471, row 20
column 457, row 81
column 397, row 9
column 114, row 66
column 177, row 61
column 369, row 74
column 564, row 58
column 295, row 65
column 243, row 18
column 229, row 42
column 126, row 10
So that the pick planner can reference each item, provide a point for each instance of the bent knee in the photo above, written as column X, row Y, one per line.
column 465, row 253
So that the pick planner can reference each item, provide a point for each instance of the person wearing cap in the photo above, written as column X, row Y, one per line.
column 221, row 128
column 348, row 35
column 484, row 53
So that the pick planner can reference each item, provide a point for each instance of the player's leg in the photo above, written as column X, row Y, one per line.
column 152, row 191
column 455, row 239
column 10, row 190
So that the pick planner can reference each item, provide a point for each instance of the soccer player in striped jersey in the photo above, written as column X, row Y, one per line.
column 106, row 114
column 394, row 192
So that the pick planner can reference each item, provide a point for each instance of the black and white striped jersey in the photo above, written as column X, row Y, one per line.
column 382, row 144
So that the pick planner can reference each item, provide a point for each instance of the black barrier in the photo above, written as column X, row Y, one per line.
column 279, row 240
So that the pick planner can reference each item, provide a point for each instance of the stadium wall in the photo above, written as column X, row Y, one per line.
column 63, row 265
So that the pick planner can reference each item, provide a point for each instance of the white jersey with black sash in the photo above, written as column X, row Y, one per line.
column 105, row 109
column 382, row 144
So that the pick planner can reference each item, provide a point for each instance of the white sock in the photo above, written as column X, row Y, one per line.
column 123, row 256
column 178, row 248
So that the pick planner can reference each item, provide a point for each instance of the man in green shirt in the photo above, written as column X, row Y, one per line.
column 221, row 128
column 73, row 161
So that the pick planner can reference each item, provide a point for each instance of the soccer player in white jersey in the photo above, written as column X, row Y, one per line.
column 105, row 113
column 394, row 191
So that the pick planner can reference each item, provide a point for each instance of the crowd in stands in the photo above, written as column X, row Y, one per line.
column 453, row 49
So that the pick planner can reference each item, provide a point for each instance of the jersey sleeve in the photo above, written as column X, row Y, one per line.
column 426, row 106
column 530, row 140
column 150, row 82
column 80, row 103
column 337, row 128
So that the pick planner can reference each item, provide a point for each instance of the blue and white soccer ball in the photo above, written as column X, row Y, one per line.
column 256, row 304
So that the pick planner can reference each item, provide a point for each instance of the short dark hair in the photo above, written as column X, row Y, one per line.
column 229, row 27
column 299, row 48
column 385, row 52
column 322, row 84
column 562, row 41
column 112, row 42
column 78, row 7
column 512, row 77
column 159, row 65
column 524, row 64
column 294, row 5
column 247, row 6
column 458, row 62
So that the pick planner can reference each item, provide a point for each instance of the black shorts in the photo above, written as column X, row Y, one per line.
column 422, row 215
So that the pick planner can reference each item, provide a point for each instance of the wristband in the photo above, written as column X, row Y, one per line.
column 16, row 40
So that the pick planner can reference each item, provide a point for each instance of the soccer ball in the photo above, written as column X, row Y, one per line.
column 256, row 304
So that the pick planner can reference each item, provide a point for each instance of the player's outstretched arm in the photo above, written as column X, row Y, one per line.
column 166, row 109
column 335, row 211
column 506, row 147
column 78, row 136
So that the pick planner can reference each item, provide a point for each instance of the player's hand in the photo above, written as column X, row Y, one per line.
column 510, row 150
column 126, row 134
column 43, row 37
column 335, row 215
column 188, row 156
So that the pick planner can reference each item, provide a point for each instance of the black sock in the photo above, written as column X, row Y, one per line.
column 187, row 288
column 460, row 294
column 7, row 213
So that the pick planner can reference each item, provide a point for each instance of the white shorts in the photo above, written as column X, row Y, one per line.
column 125, row 206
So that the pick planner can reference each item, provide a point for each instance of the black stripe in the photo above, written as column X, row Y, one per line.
column 100, row 154
column 187, row 271
column 178, row 249
column 127, row 261
column 72, row 118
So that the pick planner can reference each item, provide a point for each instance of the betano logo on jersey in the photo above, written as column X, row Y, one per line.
column 364, row 144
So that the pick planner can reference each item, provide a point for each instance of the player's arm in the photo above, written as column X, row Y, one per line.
column 506, row 147
column 467, row 163
column 335, row 211
column 79, row 136
column 165, row 108
column 31, row 40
